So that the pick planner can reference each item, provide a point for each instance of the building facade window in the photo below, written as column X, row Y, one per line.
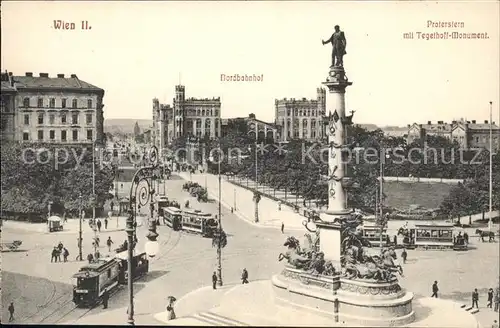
column 52, row 134
column 89, row 103
column 75, row 134
column 40, row 134
column 216, row 112
column 40, row 102
column 63, row 118
column 26, row 119
column 88, row 118
column 51, row 118
column 40, row 118
column 74, row 118
column 89, row 134
column 52, row 102
column 26, row 136
column 74, row 103
column 63, row 135
column 26, row 102
column 63, row 103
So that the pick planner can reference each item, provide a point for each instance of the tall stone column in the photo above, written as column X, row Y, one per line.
column 330, row 240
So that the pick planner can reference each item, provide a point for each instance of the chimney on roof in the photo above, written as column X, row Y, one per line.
column 408, row 125
column 486, row 122
column 60, row 76
column 440, row 122
column 473, row 121
column 44, row 74
column 30, row 74
column 73, row 76
column 429, row 122
column 10, row 73
column 453, row 122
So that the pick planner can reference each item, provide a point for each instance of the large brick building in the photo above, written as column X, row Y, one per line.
column 51, row 109
column 301, row 119
column 469, row 134
column 198, row 117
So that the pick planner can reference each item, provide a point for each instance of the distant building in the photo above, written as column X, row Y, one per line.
column 198, row 117
column 51, row 109
column 252, row 126
column 301, row 119
column 469, row 134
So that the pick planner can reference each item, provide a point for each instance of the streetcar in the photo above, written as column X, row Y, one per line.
column 94, row 279
column 106, row 274
column 433, row 236
column 140, row 265
column 372, row 234
column 172, row 217
column 161, row 202
column 198, row 222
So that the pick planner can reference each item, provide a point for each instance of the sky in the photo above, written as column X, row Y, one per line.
column 137, row 51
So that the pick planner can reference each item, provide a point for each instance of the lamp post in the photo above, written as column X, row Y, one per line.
column 490, row 222
column 219, row 248
column 382, row 220
column 80, row 241
column 234, row 199
column 142, row 192
column 49, row 207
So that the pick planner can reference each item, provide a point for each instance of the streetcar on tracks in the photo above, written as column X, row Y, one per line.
column 106, row 274
column 93, row 280
column 372, row 234
column 140, row 266
column 433, row 236
column 172, row 217
column 196, row 221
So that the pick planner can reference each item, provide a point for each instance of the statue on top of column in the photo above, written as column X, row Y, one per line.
column 339, row 44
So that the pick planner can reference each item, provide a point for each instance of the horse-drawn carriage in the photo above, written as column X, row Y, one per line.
column 10, row 246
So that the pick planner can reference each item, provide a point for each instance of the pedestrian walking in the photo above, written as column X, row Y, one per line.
column 282, row 227
column 214, row 281
column 496, row 299
column 244, row 276
column 404, row 255
column 105, row 299
column 90, row 258
column 435, row 289
column 495, row 324
column 99, row 225
column 53, row 258
column 11, row 311
column 279, row 206
column 106, row 223
column 112, row 205
column 466, row 238
column 170, row 308
column 475, row 298
column 109, row 242
column 395, row 240
column 97, row 255
column 65, row 254
column 490, row 298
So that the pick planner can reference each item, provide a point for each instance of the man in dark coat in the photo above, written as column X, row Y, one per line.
column 435, row 289
column 490, row 298
column 404, row 255
column 475, row 298
column 99, row 224
column 55, row 252
column 244, row 276
column 105, row 299
column 11, row 311
column 214, row 281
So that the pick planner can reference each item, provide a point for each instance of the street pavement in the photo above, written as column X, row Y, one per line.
column 185, row 263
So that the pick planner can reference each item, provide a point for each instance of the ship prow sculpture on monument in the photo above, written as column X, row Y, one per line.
column 333, row 275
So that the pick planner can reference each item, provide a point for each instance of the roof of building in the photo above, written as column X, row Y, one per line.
column 59, row 82
column 7, row 87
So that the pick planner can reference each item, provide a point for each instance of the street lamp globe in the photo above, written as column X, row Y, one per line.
column 152, row 248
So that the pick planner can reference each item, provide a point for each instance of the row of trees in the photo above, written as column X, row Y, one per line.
column 298, row 167
column 34, row 177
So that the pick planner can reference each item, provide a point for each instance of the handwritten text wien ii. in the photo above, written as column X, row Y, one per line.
column 62, row 25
